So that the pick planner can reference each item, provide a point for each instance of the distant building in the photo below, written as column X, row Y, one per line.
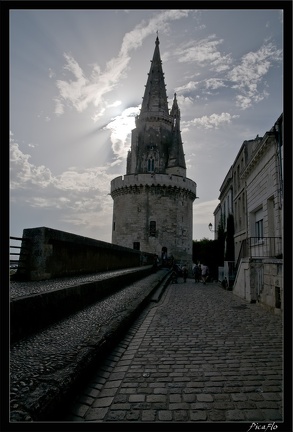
column 255, row 183
column 153, row 202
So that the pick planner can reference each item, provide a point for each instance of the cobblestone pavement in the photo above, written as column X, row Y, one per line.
column 201, row 354
column 51, row 357
column 24, row 288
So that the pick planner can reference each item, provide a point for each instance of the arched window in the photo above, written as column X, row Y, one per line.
column 151, row 165
column 153, row 227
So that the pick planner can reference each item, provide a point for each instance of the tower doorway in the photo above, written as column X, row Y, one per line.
column 164, row 256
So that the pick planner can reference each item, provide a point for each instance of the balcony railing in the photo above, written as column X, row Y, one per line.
column 260, row 247
column 265, row 247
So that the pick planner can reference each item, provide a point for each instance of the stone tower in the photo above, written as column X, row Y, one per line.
column 153, row 202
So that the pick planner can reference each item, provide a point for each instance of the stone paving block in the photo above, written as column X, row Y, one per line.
column 178, row 406
column 235, row 415
column 254, row 415
column 96, row 414
column 245, row 405
column 80, row 410
column 103, row 402
column 165, row 415
column 189, row 398
column 108, row 392
column 120, row 406
column 216, row 416
column 116, row 376
column 137, row 398
column 92, row 392
column 221, row 397
column 86, row 400
column 120, row 398
column 121, row 368
column 144, row 390
column 267, row 404
column 133, row 416
column 148, row 415
column 239, row 397
column 113, row 384
column 127, row 390
column 156, row 398
column 272, row 396
column 175, row 398
column 160, row 390
column 223, row 405
column 204, row 398
column 198, row 415
column 272, row 415
column 180, row 416
column 129, row 384
column 116, row 416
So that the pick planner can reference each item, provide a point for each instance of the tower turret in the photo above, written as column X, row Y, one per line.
column 176, row 159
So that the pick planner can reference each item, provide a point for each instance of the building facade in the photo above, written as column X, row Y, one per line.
column 260, row 272
column 240, row 193
column 153, row 202
column 255, row 181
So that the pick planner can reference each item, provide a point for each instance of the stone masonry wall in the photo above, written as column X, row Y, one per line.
column 166, row 200
column 49, row 253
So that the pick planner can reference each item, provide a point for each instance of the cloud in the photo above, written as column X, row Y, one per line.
column 205, row 52
column 188, row 87
column 73, row 191
column 81, row 91
column 22, row 172
column 120, row 128
column 214, row 83
column 212, row 121
column 203, row 211
column 247, row 76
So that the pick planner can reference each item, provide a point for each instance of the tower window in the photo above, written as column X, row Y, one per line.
column 151, row 165
column 136, row 245
column 153, row 229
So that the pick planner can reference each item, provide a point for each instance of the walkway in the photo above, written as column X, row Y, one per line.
column 201, row 354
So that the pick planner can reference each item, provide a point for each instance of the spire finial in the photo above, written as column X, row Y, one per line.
column 157, row 39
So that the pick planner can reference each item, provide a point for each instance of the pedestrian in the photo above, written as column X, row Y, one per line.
column 184, row 272
column 204, row 273
column 174, row 274
column 196, row 273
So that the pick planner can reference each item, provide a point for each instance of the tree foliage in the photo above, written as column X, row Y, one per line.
column 206, row 252
column 229, row 253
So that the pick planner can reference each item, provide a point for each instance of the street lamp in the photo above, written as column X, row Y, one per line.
column 210, row 227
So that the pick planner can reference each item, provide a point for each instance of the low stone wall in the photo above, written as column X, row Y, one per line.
column 48, row 253
column 31, row 313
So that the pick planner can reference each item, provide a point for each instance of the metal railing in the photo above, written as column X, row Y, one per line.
column 260, row 247
column 17, row 253
column 265, row 247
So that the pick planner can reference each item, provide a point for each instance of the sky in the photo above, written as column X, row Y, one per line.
column 77, row 80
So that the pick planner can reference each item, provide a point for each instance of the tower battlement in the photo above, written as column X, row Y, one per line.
column 140, row 181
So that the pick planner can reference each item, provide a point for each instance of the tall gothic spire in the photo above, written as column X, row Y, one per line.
column 155, row 97
column 156, row 144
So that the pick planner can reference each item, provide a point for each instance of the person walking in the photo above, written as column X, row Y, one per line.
column 204, row 273
column 184, row 272
column 174, row 274
column 196, row 273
